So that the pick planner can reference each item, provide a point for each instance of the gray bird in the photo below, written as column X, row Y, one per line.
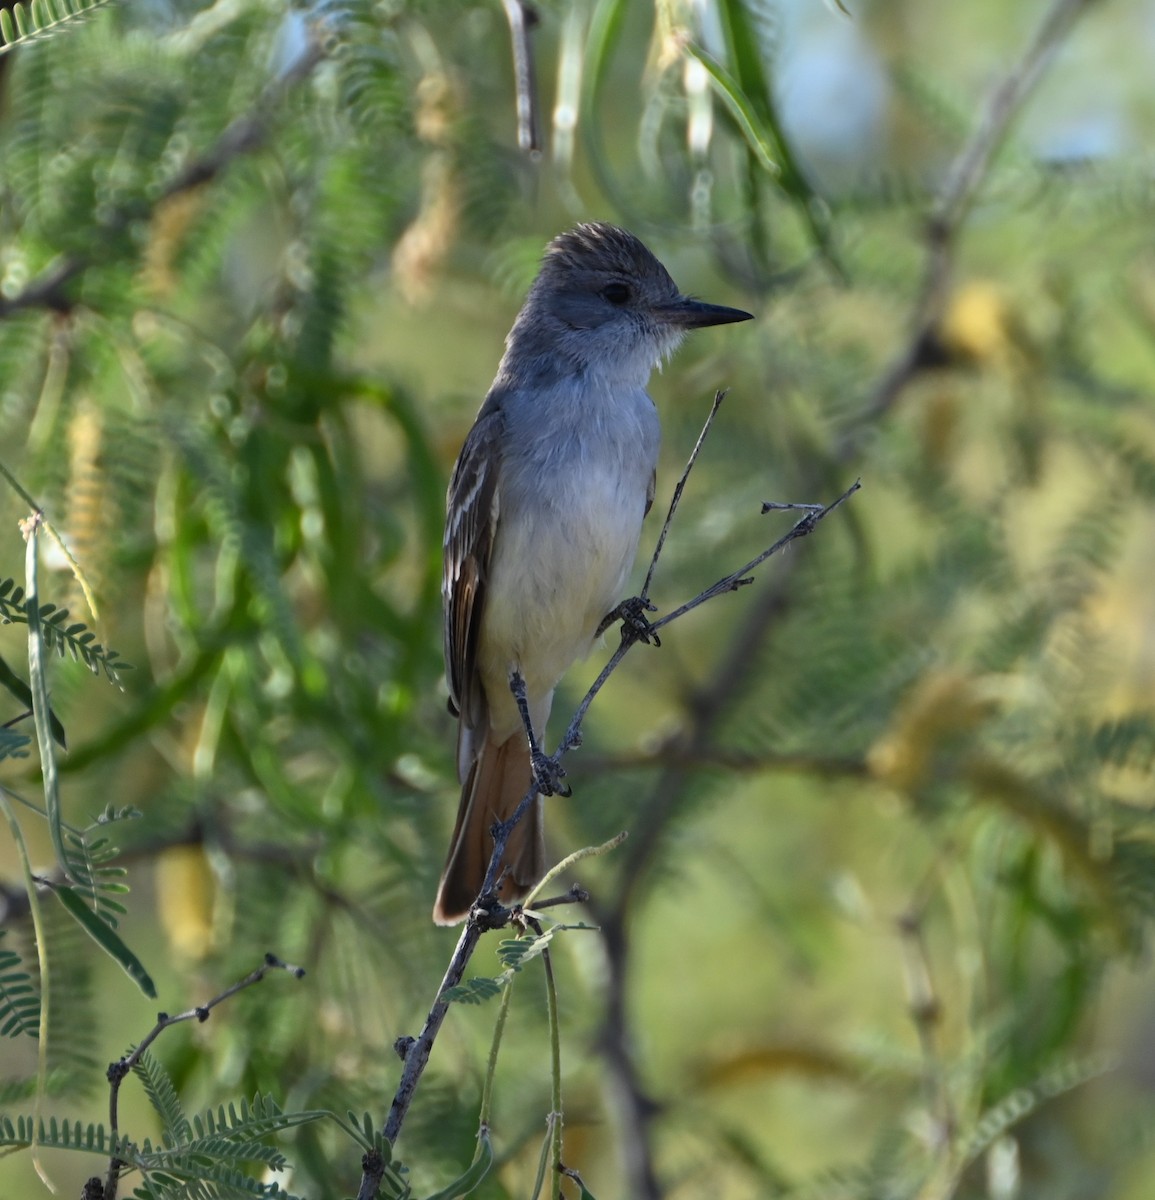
column 545, row 509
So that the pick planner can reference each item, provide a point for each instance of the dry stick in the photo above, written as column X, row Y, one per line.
column 119, row 1070
column 672, row 752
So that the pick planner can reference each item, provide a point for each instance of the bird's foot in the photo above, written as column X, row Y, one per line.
column 548, row 773
column 547, row 770
column 635, row 625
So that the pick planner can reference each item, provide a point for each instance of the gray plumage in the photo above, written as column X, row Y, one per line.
column 545, row 510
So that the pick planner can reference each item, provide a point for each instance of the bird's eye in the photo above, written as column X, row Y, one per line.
column 616, row 293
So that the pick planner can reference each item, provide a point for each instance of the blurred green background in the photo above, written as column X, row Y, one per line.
column 880, row 928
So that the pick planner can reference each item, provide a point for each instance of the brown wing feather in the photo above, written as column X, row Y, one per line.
column 469, row 531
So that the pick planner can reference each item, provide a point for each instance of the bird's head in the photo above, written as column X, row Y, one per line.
column 603, row 303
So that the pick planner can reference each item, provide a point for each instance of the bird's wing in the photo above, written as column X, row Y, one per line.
column 469, row 531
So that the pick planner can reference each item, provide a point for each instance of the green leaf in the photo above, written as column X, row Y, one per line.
column 746, row 92
column 14, row 684
column 516, row 952
column 25, row 1131
column 604, row 33
column 30, row 23
column 105, row 937
column 158, row 1086
column 476, row 991
column 742, row 110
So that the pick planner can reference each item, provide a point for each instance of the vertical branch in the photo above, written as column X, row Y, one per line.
column 523, row 18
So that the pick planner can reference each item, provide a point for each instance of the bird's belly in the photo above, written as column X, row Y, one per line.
column 555, row 573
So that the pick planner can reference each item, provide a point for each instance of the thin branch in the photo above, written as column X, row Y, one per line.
column 47, row 290
column 925, row 1012
column 635, row 1108
column 559, row 869
column 719, row 396
column 963, row 180
column 736, row 579
column 728, row 583
column 119, row 1070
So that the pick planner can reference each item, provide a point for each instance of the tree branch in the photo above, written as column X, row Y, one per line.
column 963, row 179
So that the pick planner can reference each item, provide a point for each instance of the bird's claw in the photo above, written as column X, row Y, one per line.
column 548, row 774
column 635, row 625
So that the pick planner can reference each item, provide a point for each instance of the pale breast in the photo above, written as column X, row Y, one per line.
column 571, row 502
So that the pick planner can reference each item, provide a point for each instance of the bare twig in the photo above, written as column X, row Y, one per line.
column 417, row 1049
column 739, row 578
column 523, row 18
column 119, row 1070
column 962, row 182
column 925, row 1014
column 719, row 396
column 729, row 583
column 635, row 1109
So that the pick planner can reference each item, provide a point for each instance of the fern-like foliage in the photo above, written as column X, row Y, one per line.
column 162, row 1095
column 514, row 953
column 76, row 638
column 19, row 996
column 204, row 1157
column 90, row 861
column 24, row 23
column 24, row 1132
column 210, row 1150
column 73, row 1061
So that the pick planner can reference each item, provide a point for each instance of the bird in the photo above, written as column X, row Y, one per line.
column 544, row 513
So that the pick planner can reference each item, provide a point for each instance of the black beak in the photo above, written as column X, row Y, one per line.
column 685, row 313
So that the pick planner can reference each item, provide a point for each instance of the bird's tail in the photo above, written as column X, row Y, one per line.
column 499, row 778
